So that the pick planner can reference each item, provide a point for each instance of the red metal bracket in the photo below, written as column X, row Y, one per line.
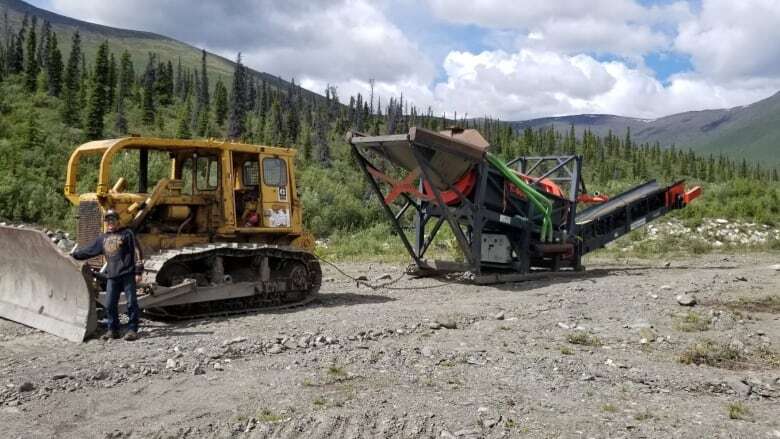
column 404, row 186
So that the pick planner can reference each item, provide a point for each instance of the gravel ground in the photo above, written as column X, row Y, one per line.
column 597, row 355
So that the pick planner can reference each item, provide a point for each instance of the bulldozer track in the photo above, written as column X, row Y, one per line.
column 156, row 265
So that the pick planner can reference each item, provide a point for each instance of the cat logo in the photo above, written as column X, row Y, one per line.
column 112, row 244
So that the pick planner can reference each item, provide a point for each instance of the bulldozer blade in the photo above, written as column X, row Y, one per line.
column 43, row 288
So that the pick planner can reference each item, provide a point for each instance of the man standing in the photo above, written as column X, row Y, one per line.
column 124, row 266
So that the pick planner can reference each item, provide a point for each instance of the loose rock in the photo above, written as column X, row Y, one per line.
column 26, row 387
column 446, row 435
column 686, row 299
column 101, row 374
column 499, row 315
column 233, row 341
column 739, row 386
column 449, row 324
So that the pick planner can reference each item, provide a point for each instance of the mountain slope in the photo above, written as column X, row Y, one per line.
column 752, row 131
column 138, row 43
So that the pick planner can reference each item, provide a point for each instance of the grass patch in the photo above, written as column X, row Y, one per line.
column 737, row 410
column 712, row 354
column 266, row 415
column 609, row 408
column 724, row 356
column 320, row 402
column 337, row 372
column 565, row 350
column 767, row 357
column 768, row 304
column 644, row 415
column 583, row 338
column 692, row 321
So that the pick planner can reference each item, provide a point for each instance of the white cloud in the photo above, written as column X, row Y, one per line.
column 734, row 40
column 531, row 83
column 621, row 27
column 320, row 40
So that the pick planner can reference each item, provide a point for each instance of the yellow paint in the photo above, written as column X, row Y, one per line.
column 193, row 215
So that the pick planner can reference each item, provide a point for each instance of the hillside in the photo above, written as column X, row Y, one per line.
column 40, row 125
column 751, row 131
column 138, row 43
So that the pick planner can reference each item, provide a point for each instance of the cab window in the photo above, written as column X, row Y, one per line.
column 274, row 172
column 250, row 173
column 207, row 174
column 186, row 176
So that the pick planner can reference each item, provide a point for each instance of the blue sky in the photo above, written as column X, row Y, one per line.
column 504, row 58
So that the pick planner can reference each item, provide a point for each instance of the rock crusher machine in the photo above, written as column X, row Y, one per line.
column 511, row 220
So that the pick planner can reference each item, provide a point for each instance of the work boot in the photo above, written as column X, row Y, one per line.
column 110, row 335
column 131, row 336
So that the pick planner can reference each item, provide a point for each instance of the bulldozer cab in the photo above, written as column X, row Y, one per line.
column 182, row 192
column 260, row 190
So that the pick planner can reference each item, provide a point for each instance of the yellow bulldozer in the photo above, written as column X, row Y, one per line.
column 219, row 223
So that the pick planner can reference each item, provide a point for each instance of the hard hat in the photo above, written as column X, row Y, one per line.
column 110, row 214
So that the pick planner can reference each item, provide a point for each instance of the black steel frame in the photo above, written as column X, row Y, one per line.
column 471, row 212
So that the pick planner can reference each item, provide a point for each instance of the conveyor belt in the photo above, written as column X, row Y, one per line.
column 617, row 202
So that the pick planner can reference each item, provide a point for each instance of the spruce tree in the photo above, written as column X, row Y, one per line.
column 126, row 76
column 220, row 102
column 293, row 124
column 148, row 104
column 170, row 80
column 54, row 67
column 31, row 67
column 71, row 87
column 44, row 43
column 121, row 118
column 237, row 118
column 203, row 122
column 16, row 64
column 203, row 96
column 272, row 132
column 112, row 80
column 321, row 136
column 201, row 115
column 183, row 130
column 178, row 86
column 98, row 99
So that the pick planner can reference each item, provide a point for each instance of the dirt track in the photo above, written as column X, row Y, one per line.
column 364, row 363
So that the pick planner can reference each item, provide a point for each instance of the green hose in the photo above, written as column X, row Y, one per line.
column 539, row 201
